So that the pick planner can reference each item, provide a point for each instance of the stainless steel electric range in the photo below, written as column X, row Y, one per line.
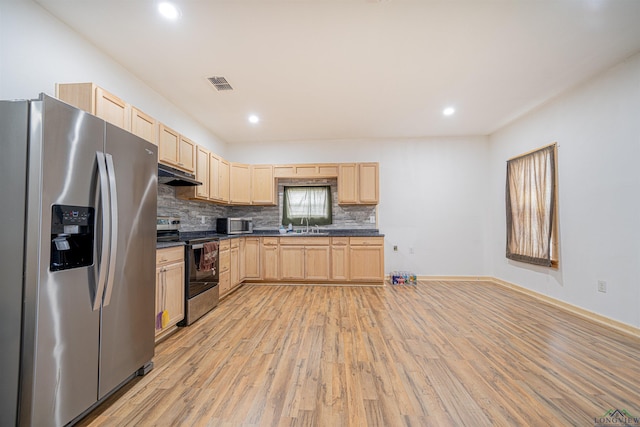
column 201, row 258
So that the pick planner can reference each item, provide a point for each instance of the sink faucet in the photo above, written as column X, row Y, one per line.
column 302, row 220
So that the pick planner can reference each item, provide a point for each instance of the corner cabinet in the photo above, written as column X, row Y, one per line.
column 169, row 290
column 358, row 183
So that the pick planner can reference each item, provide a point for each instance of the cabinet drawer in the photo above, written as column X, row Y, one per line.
column 270, row 241
column 367, row 241
column 304, row 241
column 169, row 255
column 235, row 243
column 339, row 240
column 225, row 244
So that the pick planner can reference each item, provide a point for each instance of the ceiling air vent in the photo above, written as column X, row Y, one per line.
column 220, row 83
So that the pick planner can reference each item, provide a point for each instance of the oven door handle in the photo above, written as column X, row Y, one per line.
column 197, row 246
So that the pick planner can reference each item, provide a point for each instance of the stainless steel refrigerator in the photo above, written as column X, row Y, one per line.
column 77, row 286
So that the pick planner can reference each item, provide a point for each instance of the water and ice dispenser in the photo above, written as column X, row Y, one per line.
column 72, row 237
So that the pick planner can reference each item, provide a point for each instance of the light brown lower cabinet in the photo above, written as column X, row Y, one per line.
column 340, row 258
column 316, row 262
column 224, row 261
column 291, row 262
column 169, row 290
column 308, row 259
column 270, row 258
column 366, row 259
column 252, row 258
column 305, row 258
column 234, row 266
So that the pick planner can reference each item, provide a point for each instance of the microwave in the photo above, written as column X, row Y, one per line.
column 234, row 225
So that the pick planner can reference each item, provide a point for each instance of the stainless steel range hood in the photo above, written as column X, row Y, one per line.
column 177, row 178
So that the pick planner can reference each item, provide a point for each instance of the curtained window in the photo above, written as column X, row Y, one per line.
column 313, row 202
column 531, row 207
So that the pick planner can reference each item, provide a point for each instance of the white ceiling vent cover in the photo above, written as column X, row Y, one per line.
column 220, row 83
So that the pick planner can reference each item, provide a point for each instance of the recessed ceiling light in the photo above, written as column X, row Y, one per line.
column 448, row 111
column 254, row 119
column 169, row 10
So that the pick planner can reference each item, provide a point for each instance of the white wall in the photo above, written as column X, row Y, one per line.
column 597, row 127
column 432, row 196
column 37, row 51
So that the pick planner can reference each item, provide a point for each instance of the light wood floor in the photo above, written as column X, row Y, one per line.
column 439, row 353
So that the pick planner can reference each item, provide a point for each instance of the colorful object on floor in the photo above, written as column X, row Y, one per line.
column 403, row 278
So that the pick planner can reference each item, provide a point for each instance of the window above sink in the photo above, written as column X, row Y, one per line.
column 307, row 205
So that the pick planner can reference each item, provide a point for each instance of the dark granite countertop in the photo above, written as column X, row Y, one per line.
column 353, row 232
column 162, row 245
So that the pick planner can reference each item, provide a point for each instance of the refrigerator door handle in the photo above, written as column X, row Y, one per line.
column 106, row 229
column 113, row 250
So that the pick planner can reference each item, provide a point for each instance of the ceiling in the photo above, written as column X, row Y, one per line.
column 363, row 69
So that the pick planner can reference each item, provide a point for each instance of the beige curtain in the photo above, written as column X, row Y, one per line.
column 530, row 202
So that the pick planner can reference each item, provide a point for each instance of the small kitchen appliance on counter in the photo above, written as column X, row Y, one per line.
column 234, row 225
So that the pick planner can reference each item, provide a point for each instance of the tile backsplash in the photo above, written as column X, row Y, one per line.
column 191, row 213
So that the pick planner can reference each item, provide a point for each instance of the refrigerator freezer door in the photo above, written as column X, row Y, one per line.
column 62, row 380
column 127, row 341
column 13, row 163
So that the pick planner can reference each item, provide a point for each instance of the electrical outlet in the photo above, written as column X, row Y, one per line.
column 203, row 219
column 372, row 219
column 602, row 286
column 395, row 248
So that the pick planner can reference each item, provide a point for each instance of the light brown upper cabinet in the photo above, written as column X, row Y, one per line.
column 224, row 176
column 187, row 158
column 176, row 150
column 358, row 183
column 310, row 170
column 239, row 184
column 144, row 126
column 97, row 101
column 218, row 179
column 202, row 173
column 262, row 185
column 368, row 183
